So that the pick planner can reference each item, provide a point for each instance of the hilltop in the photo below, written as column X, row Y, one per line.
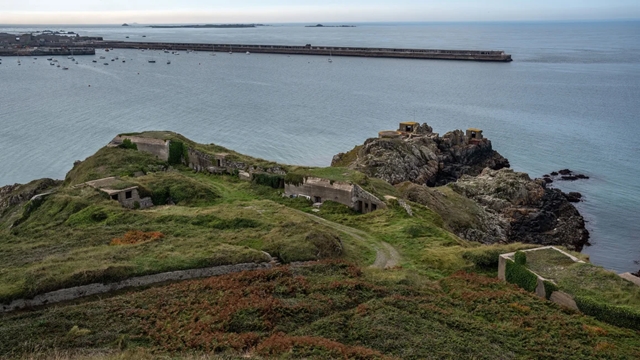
column 354, row 265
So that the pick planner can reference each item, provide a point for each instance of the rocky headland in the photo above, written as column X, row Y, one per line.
column 489, row 202
column 423, row 157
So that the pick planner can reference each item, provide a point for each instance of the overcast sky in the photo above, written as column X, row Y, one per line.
column 272, row 11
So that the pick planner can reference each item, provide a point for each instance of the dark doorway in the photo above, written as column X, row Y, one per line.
column 128, row 195
column 114, row 197
column 219, row 162
column 473, row 134
column 374, row 207
column 317, row 199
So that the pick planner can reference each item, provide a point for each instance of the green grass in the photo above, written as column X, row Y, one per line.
column 425, row 308
column 584, row 279
column 112, row 161
column 61, row 252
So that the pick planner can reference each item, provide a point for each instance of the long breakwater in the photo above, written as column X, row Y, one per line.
column 472, row 55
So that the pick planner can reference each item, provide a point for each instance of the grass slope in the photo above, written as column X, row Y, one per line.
column 328, row 310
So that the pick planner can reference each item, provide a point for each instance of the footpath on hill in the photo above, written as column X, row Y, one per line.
column 386, row 255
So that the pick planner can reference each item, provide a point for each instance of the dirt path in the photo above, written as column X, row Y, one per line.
column 386, row 255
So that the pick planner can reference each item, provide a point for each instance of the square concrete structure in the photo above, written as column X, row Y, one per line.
column 559, row 297
column 128, row 197
column 408, row 126
column 320, row 190
column 157, row 147
column 474, row 134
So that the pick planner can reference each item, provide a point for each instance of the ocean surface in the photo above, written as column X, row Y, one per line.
column 570, row 99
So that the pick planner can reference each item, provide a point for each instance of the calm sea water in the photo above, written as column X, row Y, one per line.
column 570, row 99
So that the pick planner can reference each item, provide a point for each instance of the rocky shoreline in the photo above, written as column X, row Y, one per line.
column 510, row 206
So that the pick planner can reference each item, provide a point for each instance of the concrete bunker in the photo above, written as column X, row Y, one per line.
column 320, row 190
column 157, row 147
column 408, row 126
column 474, row 134
column 128, row 197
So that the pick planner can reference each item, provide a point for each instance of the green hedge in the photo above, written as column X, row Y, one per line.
column 521, row 258
column 127, row 144
column 294, row 179
column 549, row 288
column 617, row 315
column 177, row 151
column 518, row 274
column 487, row 258
column 273, row 180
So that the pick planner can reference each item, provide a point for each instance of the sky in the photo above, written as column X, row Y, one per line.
column 283, row 11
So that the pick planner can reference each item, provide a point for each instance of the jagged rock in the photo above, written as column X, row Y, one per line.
column 424, row 157
column 15, row 194
column 534, row 213
column 573, row 196
column 564, row 172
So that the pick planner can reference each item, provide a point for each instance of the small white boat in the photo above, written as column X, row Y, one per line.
column 95, row 61
column 106, row 63
column 65, row 68
column 51, row 63
column 58, row 65
column 102, row 57
column 168, row 62
column 248, row 53
column 49, row 59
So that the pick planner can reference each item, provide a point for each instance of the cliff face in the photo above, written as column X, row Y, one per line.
column 16, row 194
column 424, row 158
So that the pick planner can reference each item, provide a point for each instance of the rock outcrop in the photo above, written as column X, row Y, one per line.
column 531, row 212
column 423, row 157
column 12, row 195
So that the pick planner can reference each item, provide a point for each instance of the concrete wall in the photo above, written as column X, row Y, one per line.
column 350, row 195
column 323, row 189
column 93, row 289
column 157, row 147
column 559, row 297
column 368, row 201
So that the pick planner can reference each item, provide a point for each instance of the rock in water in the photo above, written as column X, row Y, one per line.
column 423, row 157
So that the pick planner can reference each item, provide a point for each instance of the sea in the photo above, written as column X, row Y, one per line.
column 570, row 99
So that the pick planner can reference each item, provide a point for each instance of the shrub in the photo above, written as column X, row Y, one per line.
column 521, row 258
column 137, row 237
column 177, row 151
column 128, row 144
column 294, row 179
column 622, row 316
column 549, row 288
column 272, row 180
column 518, row 274
column 487, row 258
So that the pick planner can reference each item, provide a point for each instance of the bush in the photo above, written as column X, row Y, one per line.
column 177, row 151
column 549, row 288
column 127, row 144
column 272, row 180
column 487, row 258
column 622, row 316
column 518, row 274
column 294, row 179
column 521, row 258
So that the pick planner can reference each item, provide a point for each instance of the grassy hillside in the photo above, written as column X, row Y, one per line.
column 328, row 310
column 439, row 300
